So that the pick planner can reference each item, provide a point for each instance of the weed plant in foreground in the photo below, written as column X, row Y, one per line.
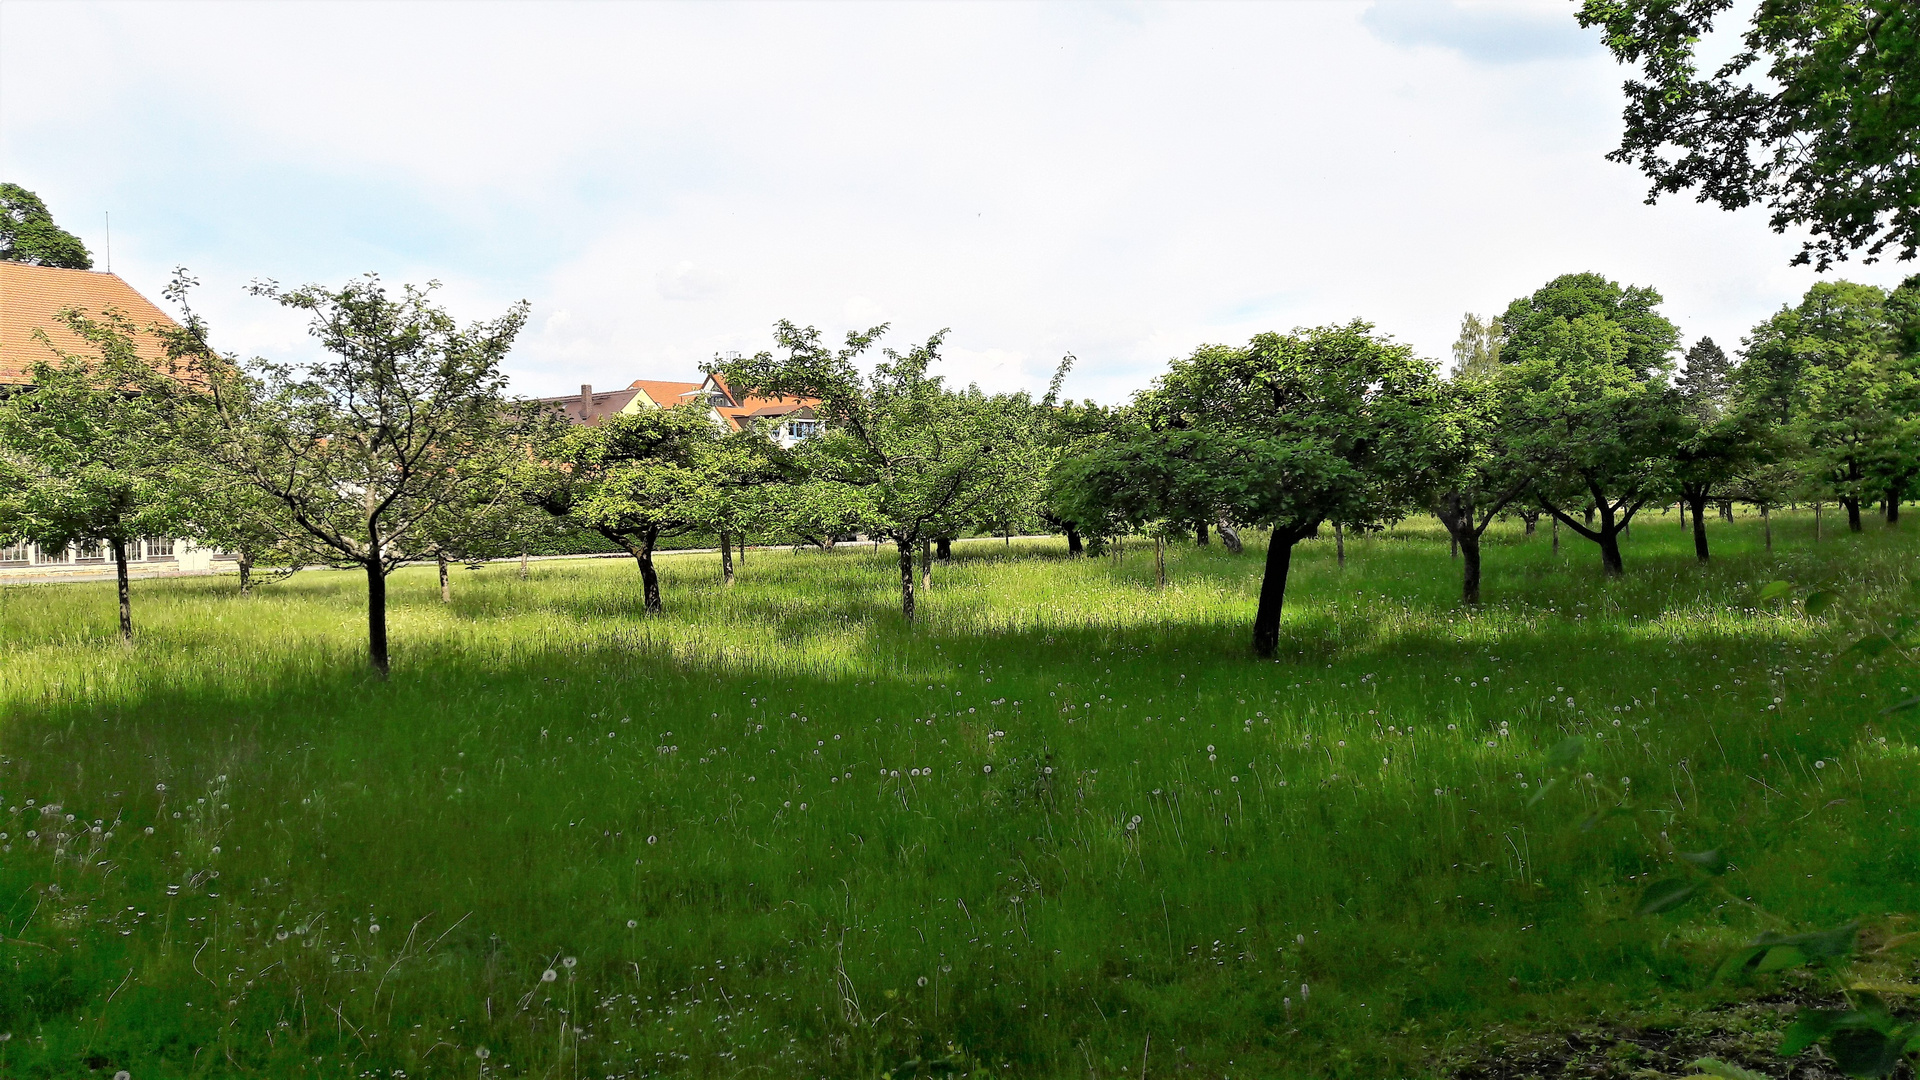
column 1064, row 827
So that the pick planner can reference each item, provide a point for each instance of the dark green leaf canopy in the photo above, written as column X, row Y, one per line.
column 28, row 234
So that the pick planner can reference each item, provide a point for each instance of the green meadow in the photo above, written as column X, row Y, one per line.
column 1063, row 827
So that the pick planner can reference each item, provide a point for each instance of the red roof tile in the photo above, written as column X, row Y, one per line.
column 31, row 297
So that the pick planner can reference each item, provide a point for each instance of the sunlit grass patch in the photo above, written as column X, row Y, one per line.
column 1065, row 813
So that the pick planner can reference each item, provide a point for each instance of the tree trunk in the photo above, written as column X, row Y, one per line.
column 1726, row 511
column 1160, row 561
column 1273, row 593
column 906, row 579
column 376, row 616
column 1766, row 525
column 1893, row 509
column 1610, row 553
column 1699, row 529
column 726, row 558
column 1817, row 507
column 246, row 571
column 1531, row 520
column 1470, row 566
column 1556, row 536
column 126, row 597
column 1229, row 536
column 1340, row 544
column 943, row 548
column 1853, row 514
column 1074, row 546
column 1453, row 544
column 1200, row 534
column 926, row 565
column 642, row 553
column 446, row 590
column 523, row 565
column 827, row 541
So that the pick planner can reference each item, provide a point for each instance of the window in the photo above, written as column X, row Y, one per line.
column 13, row 553
column 802, row 429
column 159, row 548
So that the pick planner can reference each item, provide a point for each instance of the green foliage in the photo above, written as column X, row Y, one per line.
column 1848, row 402
column 1817, row 116
column 28, row 234
column 1588, row 401
column 1476, row 352
column 363, row 453
column 636, row 477
column 83, row 450
column 1284, row 433
column 900, row 455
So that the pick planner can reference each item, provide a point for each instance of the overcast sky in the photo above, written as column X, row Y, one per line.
column 1119, row 181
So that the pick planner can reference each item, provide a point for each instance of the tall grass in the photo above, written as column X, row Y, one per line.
column 1063, row 827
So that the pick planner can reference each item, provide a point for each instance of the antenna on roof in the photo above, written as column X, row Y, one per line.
column 109, row 215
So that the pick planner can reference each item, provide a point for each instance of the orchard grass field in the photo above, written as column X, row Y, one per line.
column 1063, row 827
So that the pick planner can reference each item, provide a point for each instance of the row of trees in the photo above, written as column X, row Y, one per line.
column 1567, row 404
column 403, row 446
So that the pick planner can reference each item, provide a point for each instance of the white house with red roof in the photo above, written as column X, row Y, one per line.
column 785, row 420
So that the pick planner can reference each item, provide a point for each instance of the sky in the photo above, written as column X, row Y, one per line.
column 662, row 182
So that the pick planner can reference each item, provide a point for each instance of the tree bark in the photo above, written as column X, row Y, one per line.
column 1453, row 544
column 126, row 597
column 523, row 565
column 1556, row 536
column 1893, row 508
column 1726, row 511
column 926, row 565
column 1200, row 534
column 906, row 579
column 1074, row 546
column 1699, row 528
column 1610, row 553
column 446, row 590
column 1766, row 525
column 1160, row 561
column 1470, row 567
column 1273, row 593
column 649, row 580
column 726, row 558
column 1853, row 514
column 1229, row 536
column 376, row 615
column 1340, row 544
column 246, row 571
column 1817, row 507
column 943, row 548
column 1531, row 520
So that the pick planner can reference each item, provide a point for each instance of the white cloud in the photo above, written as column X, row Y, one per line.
column 1122, row 182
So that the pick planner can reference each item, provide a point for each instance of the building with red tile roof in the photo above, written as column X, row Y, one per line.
column 785, row 419
column 32, row 297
